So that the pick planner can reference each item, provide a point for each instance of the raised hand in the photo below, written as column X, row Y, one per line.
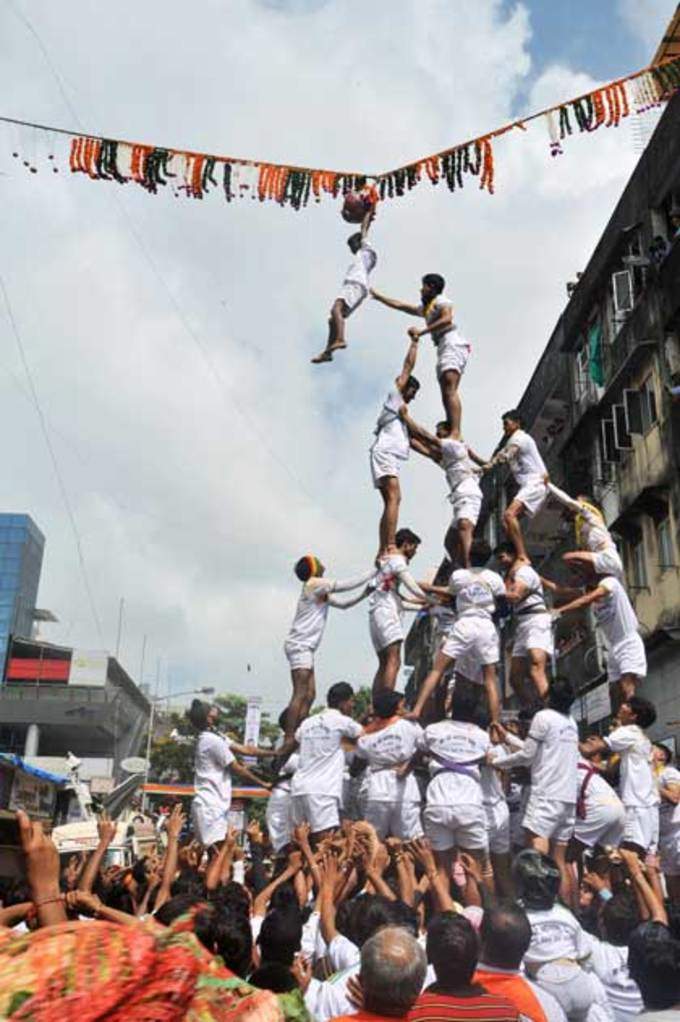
column 106, row 829
column 302, row 971
column 175, row 822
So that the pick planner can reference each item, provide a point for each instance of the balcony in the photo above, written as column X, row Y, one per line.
column 640, row 332
column 669, row 276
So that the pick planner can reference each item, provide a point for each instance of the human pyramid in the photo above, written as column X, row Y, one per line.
column 493, row 787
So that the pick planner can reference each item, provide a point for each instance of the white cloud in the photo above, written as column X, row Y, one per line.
column 195, row 493
column 647, row 19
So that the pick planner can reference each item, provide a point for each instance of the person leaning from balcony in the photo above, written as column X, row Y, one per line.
column 637, row 788
column 528, row 468
column 617, row 621
column 213, row 765
column 533, row 642
column 596, row 546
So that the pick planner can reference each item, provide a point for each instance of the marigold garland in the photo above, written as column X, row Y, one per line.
column 153, row 167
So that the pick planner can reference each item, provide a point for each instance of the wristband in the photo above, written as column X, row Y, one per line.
column 605, row 894
column 39, row 902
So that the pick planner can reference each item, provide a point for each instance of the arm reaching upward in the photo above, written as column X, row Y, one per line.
column 422, row 448
column 419, row 432
column 409, row 364
column 393, row 303
column 563, row 497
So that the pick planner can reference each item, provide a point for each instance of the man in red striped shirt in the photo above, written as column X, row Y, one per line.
column 452, row 951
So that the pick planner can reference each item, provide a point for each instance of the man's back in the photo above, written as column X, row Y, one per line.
column 474, row 1004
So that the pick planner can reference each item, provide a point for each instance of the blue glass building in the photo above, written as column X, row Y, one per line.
column 21, row 553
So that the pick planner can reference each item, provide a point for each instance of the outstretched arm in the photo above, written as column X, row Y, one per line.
column 567, row 592
column 515, row 591
column 414, row 589
column 444, row 321
column 248, row 775
column 562, row 497
column 349, row 601
column 420, row 433
column 421, row 448
column 393, row 303
column 409, row 364
column 346, row 585
column 478, row 460
column 582, row 601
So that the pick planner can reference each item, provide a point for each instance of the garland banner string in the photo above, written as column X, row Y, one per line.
column 195, row 174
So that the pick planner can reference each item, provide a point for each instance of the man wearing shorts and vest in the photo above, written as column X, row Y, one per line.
column 596, row 546
column 533, row 641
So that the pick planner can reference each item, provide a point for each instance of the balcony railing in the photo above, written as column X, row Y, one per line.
column 641, row 329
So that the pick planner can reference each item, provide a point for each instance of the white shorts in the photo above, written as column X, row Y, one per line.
column 533, row 631
column 642, row 827
column 394, row 819
column 461, row 826
column 516, row 816
column 608, row 562
column 669, row 850
column 549, row 818
column 299, row 657
column 498, row 826
column 466, row 506
column 384, row 463
column 321, row 812
column 209, row 822
column 604, row 825
column 278, row 819
column 473, row 638
column 532, row 496
column 627, row 657
column 453, row 352
column 385, row 625
column 352, row 295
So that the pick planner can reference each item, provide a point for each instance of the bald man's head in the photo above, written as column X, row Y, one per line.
column 392, row 971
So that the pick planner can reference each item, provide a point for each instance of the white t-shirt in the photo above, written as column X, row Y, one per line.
column 286, row 773
column 534, row 599
column 322, row 760
column 361, row 266
column 391, row 434
column 460, row 743
column 669, row 814
column 212, row 777
column 459, row 469
column 526, row 463
column 610, row 965
column 493, row 791
column 476, row 591
column 553, row 769
column 311, row 613
column 432, row 313
column 637, row 786
column 392, row 570
column 598, row 790
column 614, row 613
column 385, row 750
column 555, row 933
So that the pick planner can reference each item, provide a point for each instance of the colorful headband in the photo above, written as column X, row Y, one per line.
column 313, row 563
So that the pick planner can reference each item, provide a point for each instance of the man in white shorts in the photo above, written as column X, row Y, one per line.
column 354, row 289
column 637, row 788
column 497, row 813
column 316, row 788
column 465, row 495
column 389, row 743
column 454, row 816
column 453, row 351
column 306, row 633
column 551, row 751
column 474, row 637
column 617, row 621
column 528, row 468
column 533, row 641
column 600, row 814
column 391, row 448
column 668, row 780
column 594, row 540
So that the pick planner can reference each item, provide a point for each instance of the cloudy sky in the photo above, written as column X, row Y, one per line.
column 169, row 340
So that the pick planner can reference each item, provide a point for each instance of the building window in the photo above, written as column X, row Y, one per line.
column 638, row 565
column 648, row 404
column 665, row 544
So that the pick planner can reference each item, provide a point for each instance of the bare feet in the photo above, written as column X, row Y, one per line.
column 325, row 356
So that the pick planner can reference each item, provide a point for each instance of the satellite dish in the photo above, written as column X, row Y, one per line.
column 135, row 765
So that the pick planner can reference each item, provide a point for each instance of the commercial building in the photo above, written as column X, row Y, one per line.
column 22, row 545
column 600, row 409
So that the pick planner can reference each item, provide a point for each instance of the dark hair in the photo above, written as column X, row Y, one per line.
column 406, row 536
column 386, row 702
column 479, row 553
column 452, row 949
column 561, row 695
column 176, row 907
column 303, row 569
column 285, row 899
column 435, row 281
column 505, row 548
column 355, row 239
column 505, row 934
column 339, row 693
column 465, row 704
column 227, row 933
column 514, row 415
column 412, row 383
column 667, row 754
column 275, row 977
column 645, row 712
column 119, row 897
column 619, row 917
column 280, row 936
column 198, row 713
column 233, row 896
column 371, row 915
column 537, row 879
column 654, row 964
column 188, row 882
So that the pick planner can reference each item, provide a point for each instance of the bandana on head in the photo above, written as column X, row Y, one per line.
column 313, row 563
column 580, row 521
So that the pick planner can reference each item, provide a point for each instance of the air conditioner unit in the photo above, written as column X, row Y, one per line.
column 624, row 295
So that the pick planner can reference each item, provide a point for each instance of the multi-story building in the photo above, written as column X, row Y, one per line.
column 21, row 553
column 599, row 406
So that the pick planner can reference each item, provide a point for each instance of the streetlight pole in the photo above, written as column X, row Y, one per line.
column 206, row 691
